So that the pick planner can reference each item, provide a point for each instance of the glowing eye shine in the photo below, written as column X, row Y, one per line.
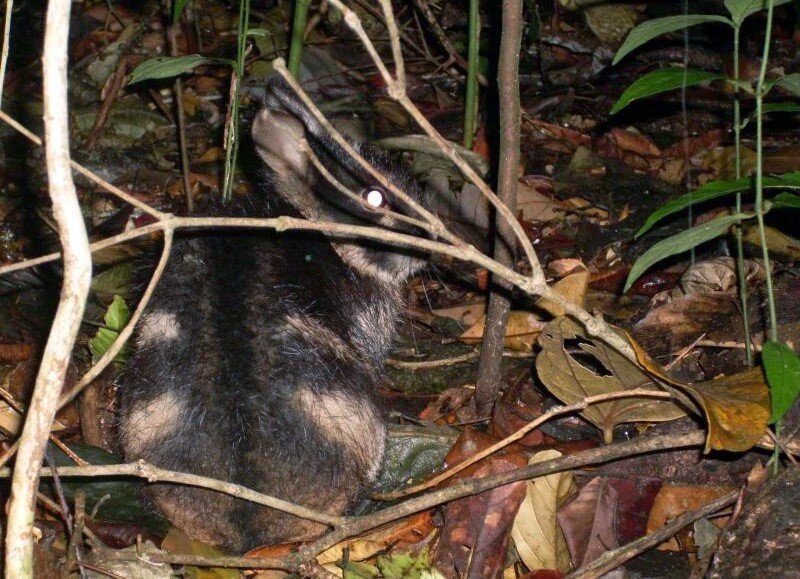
column 374, row 198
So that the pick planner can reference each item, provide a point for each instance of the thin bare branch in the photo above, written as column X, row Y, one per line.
column 4, row 52
column 397, row 91
column 356, row 525
column 153, row 474
column 394, row 40
column 127, row 197
column 520, row 434
column 487, row 385
column 315, row 160
column 610, row 560
column 439, row 227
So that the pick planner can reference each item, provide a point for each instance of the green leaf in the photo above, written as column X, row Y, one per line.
column 713, row 190
column 114, row 280
column 782, row 367
column 650, row 29
column 259, row 32
column 781, row 108
column 116, row 318
column 169, row 66
column 741, row 9
column 118, row 314
column 404, row 565
column 786, row 201
column 788, row 180
column 790, row 82
column 683, row 241
column 177, row 9
column 358, row 570
column 662, row 80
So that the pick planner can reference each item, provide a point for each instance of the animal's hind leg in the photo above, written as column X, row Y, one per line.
column 204, row 515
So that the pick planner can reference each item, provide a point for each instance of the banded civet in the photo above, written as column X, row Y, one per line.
column 257, row 358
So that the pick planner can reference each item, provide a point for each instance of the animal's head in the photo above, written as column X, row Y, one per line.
column 289, row 139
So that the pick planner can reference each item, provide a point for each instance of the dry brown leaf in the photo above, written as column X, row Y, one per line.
column 10, row 419
column 672, row 171
column 534, row 205
column 777, row 242
column 572, row 288
column 611, row 23
column 536, row 532
column 784, row 160
column 522, row 329
column 474, row 537
column 674, row 500
column 633, row 142
column 212, row 154
column 468, row 314
column 589, row 521
column 722, row 161
column 736, row 407
column 177, row 542
column 573, row 367
column 408, row 531
column 717, row 274
column 562, row 267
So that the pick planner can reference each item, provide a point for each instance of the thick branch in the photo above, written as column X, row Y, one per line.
column 489, row 368
column 77, row 276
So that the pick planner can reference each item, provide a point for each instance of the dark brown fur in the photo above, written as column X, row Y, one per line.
column 257, row 358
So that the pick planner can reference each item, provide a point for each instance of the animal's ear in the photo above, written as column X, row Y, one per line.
column 279, row 139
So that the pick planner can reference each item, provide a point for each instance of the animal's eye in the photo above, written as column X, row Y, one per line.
column 374, row 198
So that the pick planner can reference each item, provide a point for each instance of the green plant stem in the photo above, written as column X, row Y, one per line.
column 298, row 32
column 740, row 269
column 471, row 97
column 773, row 317
column 232, row 129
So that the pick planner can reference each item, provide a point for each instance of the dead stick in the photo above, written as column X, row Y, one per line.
column 610, row 560
column 490, row 375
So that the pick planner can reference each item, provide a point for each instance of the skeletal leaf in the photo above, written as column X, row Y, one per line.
column 574, row 367
column 536, row 532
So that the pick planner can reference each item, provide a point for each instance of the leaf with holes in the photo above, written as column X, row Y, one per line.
column 573, row 367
